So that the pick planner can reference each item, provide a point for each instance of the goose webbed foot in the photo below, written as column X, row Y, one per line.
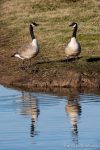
column 22, row 67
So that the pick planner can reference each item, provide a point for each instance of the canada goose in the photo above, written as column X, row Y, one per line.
column 30, row 107
column 73, row 108
column 73, row 49
column 30, row 50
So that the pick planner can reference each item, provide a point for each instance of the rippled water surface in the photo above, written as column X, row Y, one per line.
column 48, row 121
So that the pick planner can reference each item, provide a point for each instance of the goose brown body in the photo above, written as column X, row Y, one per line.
column 30, row 50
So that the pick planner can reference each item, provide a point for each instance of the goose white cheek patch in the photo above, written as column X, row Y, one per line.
column 32, row 25
column 74, row 25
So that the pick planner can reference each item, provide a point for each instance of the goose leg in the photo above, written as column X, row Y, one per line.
column 76, row 58
column 42, row 59
column 23, row 65
column 67, row 59
column 30, row 62
column 23, row 62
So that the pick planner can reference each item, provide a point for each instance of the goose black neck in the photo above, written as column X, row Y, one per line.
column 74, row 32
column 32, row 32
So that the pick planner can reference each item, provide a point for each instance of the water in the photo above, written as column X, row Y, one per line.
column 46, row 121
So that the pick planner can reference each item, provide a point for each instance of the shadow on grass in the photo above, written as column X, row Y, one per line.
column 93, row 59
column 61, row 60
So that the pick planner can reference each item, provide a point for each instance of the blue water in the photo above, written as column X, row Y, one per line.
column 43, row 121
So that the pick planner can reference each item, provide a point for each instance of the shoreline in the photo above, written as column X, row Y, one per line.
column 52, row 77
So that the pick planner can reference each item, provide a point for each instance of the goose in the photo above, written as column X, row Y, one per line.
column 73, row 49
column 30, row 50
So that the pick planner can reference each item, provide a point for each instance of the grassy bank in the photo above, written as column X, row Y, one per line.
column 53, row 35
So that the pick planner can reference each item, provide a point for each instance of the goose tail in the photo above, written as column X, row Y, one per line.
column 13, row 55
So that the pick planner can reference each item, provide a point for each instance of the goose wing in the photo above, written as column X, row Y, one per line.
column 27, row 51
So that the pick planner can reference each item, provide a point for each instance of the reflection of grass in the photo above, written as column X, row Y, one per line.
column 53, row 32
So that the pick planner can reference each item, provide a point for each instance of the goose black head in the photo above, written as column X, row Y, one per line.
column 74, row 25
column 34, row 24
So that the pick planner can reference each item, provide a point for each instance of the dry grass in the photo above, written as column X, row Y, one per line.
column 53, row 33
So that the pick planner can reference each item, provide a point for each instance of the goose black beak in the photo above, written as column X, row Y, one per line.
column 71, row 25
column 35, row 24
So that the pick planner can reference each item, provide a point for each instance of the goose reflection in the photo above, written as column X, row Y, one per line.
column 30, row 107
column 73, row 110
